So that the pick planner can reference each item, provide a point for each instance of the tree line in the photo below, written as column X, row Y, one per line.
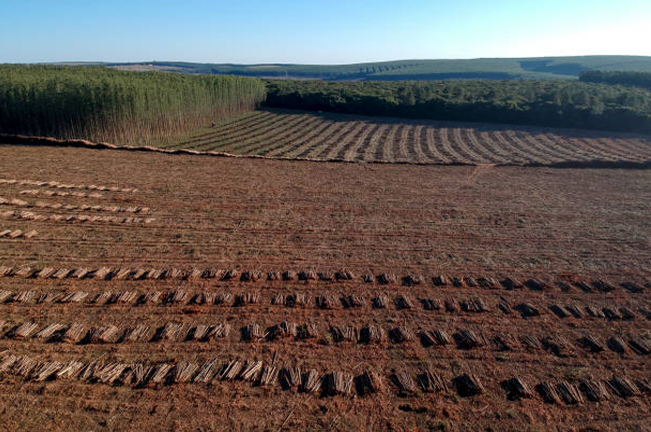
column 104, row 104
column 636, row 79
column 542, row 103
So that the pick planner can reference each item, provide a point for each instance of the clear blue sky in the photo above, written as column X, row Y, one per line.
column 334, row 31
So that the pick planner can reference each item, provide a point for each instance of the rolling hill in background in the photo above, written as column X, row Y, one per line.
column 496, row 68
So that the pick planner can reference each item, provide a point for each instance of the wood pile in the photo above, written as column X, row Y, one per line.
column 73, row 297
column 411, row 280
column 451, row 306
column 74, row 334
column 230, row 371
column 23, row 331
column 274, row 276
column 403, row 302
column 380, row 301
column 441, row 280
column 401, row 334
column 468, row 385
column 564, row 287
column 640, row 346
column 252, row 276
column 22, row 297
column 511, row 283
column 310, row 382
column 368, row 383
column 475, row 305
column 591, row 344
column 505, row 306
column 622, row 387
column 183, row 372
column 158, row 374
column 517, row 389
column 594, row 312
column 569, row 393
column 548, row 393
column 584, row 286
column 106, row 334
column 431, row 382
column 171, row 332
column 252, row 332
column 283, row 330
column 531, row 342
column 368, row 278
column 289, row 275
column 327, row 301
column 602, row 286
column 594, row 391
column 337, row 383
column 344, row 275
column 269, row 375
column 574, row 310
column 436, row 337
column 289, row 378
column 353, row 301
column 611, row 314
column 527, row 310
column 626, row 314
column 468, row 339
column 251, row 371
column 307, row 331
column 617, row 345
column 632, row 287
column 345, row 333
column 326, row 276
column 246, row 299
column 535, row 284
column 49, row 331
column 557, row 345
column 308, row 275
column 206, row 372
column 176, row 297
column 387, row 278
column 372, row 334
column 559, row 311
column 488, row 282
column 431, row 304
column 503, row 342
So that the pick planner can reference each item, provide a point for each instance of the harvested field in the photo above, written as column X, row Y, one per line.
column 269, row 294
column 325, row 136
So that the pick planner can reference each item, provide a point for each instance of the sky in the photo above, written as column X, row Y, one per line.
column 318, row 32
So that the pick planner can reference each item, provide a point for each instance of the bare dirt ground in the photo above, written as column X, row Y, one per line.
column 187, row 358
column 327, row 136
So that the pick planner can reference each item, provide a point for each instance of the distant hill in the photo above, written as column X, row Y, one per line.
column 487, row 68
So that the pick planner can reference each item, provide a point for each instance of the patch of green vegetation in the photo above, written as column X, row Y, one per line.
column 538, row 103
column 103, row 104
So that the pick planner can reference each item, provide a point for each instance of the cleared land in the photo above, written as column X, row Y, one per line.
column 297, row 134
column 142, row 340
